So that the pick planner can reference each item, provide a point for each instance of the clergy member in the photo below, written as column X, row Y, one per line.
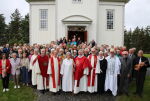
column 54, row 73
column 42, row 76
column 141, row 64
column 102, row 75
column 33, row 66
column 67, row 73
column 113, row 70
column 82, row 69
column 92, row 78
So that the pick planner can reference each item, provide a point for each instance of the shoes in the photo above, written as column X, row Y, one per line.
column 15, row 86
column 7, row 89
column 4, row 90
column 127, row 94
column 18, row 86
column 42, row 91
column 135, row 93
column 140, row 95
column 120, row 93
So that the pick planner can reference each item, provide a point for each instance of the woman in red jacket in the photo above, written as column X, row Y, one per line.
column 5, row 71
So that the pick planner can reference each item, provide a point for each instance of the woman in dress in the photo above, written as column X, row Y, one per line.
column 25, row 69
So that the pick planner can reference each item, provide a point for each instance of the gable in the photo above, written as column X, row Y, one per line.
column 77, row 19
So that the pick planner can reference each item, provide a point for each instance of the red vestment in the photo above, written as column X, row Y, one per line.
column 43, row 65
column 53, row 71
column 94, row 68
column 81, row 64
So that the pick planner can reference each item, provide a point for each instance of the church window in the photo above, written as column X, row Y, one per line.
column 110, row 19
column 77, row 1
column 43, row 19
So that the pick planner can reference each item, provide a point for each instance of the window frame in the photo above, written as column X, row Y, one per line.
column 43, row 19
column 113, row 11
column 77, row 1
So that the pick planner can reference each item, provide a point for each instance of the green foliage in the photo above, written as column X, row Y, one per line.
column 2, row 29
column 146, row 94
column 17, row 30
column 147, row 55
column 138, row 38
column 22, row 94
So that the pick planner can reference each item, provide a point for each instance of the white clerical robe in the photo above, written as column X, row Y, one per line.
column 83, row 82
column 112, row 71
column 67, row 72
column 33, row 67
column 56, row 70
column 91, row 88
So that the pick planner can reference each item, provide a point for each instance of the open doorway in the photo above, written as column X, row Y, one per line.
column 77, row 32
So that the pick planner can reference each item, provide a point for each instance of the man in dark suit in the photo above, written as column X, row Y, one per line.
column 143, row 63
column 125, row 73
column 132, row 56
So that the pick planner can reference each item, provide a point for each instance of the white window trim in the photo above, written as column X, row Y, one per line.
column 77, row 2
column 113, row 20
column 43, row 29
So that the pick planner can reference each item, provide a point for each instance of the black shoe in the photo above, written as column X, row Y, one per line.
column 120, row 93
column 42, row 91
column 140, row 95
column 135, row 93
column 54, row 94
column 127, row 94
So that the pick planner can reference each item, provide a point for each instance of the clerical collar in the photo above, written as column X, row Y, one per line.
column 101, row 58
column 80, row 56
column 93, row 54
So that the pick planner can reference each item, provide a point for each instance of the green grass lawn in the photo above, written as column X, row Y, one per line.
column 147, row 55
column 27, row 93
column 146, row 93
column 22, row 94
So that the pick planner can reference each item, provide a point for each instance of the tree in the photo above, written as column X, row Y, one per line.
column 138, row 38
column 25, row 29
column 2, row 29
column 14, row 28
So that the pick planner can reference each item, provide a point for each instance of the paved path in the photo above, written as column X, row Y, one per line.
column 80, row 97
column 70, row 97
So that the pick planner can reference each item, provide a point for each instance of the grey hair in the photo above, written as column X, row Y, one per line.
column 37, row 50
column 101, row 52
column 80, row 50
column 68, row 53
column 13, row 54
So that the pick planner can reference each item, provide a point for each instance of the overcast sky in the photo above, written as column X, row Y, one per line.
column 137, row 12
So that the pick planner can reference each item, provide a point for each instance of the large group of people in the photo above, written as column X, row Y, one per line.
column 73, row 67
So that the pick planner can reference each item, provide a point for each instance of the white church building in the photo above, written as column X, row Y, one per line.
column 99, row 20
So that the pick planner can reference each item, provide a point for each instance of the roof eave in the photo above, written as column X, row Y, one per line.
column 38, row 0
column 125, row 1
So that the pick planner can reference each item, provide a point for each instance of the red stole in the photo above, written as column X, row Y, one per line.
column 53, row 72
column 94, row 74
column 34, row 60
